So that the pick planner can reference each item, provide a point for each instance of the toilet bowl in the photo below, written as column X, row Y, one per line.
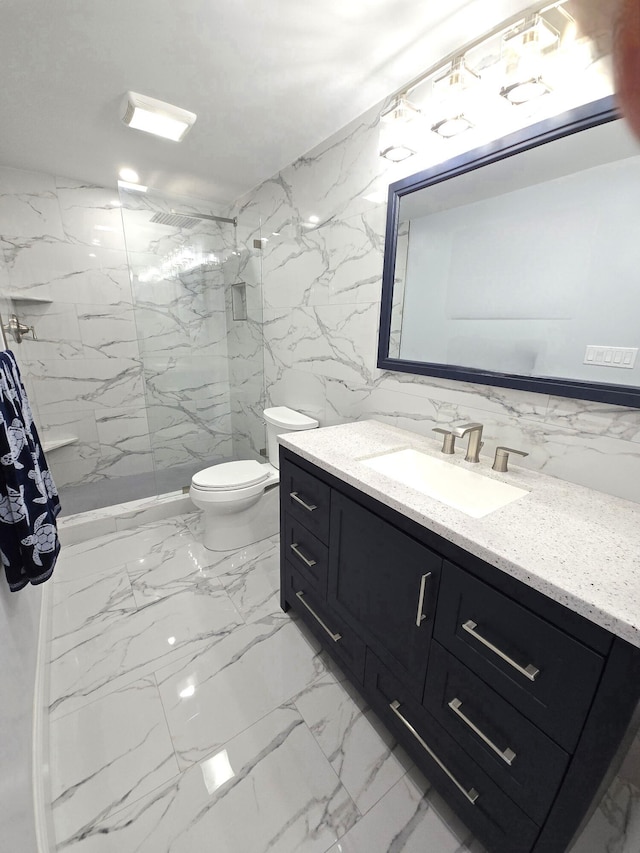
column 240, row 499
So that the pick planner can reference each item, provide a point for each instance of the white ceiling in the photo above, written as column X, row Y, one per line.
column 268, row 80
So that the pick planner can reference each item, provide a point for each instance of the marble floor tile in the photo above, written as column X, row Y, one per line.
column 218, row 694
column 270, row 790
column 408, row 820
column 95, row 660
column 614, row 826
column 84, row 601
column 365, row 756
column 252, row 580
column 171, row 570
column 106, row 756
column 98, row 555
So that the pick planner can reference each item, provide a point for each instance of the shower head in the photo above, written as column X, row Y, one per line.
column 175, row 220
column 181, row 220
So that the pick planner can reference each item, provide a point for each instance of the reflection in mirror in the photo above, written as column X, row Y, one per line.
column 508, row 264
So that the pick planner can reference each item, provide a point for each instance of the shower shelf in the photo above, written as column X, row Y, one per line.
column 56, row 443
column 20, row 297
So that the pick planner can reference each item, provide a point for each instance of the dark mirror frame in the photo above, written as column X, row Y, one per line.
column 573, row 121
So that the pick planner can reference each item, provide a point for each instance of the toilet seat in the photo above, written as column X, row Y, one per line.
column 229, row 476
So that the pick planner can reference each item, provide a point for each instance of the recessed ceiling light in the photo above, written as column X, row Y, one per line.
column 153, row 116
column 314, row 219
column 129, row 175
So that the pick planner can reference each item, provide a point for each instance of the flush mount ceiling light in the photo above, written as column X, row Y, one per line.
column 153, row 116
column 397, row 127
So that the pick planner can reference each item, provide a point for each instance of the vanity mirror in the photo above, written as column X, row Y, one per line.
column 518, row 264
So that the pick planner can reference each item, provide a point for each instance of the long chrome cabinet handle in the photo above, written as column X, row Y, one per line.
column 471, row 795
column 530, row 671
column 420, row 615
column 299, row 553
column 507, row 755
column 308, row 507
column 334, row 637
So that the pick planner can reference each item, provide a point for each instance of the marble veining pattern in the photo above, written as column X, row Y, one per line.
column 186, row 706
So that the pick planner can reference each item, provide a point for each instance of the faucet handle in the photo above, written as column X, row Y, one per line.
column 502, row 458
column 448, row 441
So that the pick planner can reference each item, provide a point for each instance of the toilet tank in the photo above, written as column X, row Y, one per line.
column 279, row 420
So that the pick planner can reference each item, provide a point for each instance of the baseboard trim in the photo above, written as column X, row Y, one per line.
column 40, row 775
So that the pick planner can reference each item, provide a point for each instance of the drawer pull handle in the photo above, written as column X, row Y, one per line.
column 471, row 795
column 308, row 507
column 299, row 553
column 530, row 671
column 507, row 756
column 334, row 637
column 420, row 615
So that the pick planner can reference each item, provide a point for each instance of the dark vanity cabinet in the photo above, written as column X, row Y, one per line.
column 512, row 705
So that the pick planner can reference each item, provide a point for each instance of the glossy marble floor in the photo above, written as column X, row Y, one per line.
column 189, row 714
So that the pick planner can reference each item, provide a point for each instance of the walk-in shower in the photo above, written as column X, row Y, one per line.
column 147, row 359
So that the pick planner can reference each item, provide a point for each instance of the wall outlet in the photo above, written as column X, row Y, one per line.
column 599, row 356
column 263, row 452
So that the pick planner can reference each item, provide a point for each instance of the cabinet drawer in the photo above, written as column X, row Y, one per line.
column 339, row 639
column 305, row 498
column 488, row 812
column 307, row 553
column 539, row 669
column 526, row 763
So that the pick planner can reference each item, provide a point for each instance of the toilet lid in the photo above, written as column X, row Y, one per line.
column 230, row 475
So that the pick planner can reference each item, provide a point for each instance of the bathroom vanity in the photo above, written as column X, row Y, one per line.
column 503, row 652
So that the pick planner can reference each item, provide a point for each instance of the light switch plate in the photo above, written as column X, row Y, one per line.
column 599, row 356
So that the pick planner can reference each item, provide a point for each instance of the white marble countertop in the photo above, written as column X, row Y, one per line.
column 579, row 547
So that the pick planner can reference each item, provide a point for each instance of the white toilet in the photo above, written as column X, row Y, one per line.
column 240, row 499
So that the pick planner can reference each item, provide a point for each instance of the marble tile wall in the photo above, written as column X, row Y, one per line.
column 322, row 268
column 135, row 367
column 63, row 241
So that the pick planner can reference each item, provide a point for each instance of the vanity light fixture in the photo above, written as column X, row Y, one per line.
column 157, row 117
column 449, row 127
column 397, row 124
column 452, row 90
column 526, row 48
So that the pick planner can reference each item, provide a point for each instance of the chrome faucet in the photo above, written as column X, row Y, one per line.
column 475, row 444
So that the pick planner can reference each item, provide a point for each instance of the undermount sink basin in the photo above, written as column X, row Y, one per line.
column 473, row 494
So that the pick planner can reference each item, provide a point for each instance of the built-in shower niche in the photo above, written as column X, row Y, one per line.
column 239, row 301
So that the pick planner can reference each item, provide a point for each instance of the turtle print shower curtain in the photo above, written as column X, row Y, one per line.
column 29, row 502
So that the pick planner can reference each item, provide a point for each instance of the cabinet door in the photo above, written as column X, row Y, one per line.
column 384, row 584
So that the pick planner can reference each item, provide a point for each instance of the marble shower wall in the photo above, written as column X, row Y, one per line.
column 136, row 369
column 322, row 286
column 62, row 241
